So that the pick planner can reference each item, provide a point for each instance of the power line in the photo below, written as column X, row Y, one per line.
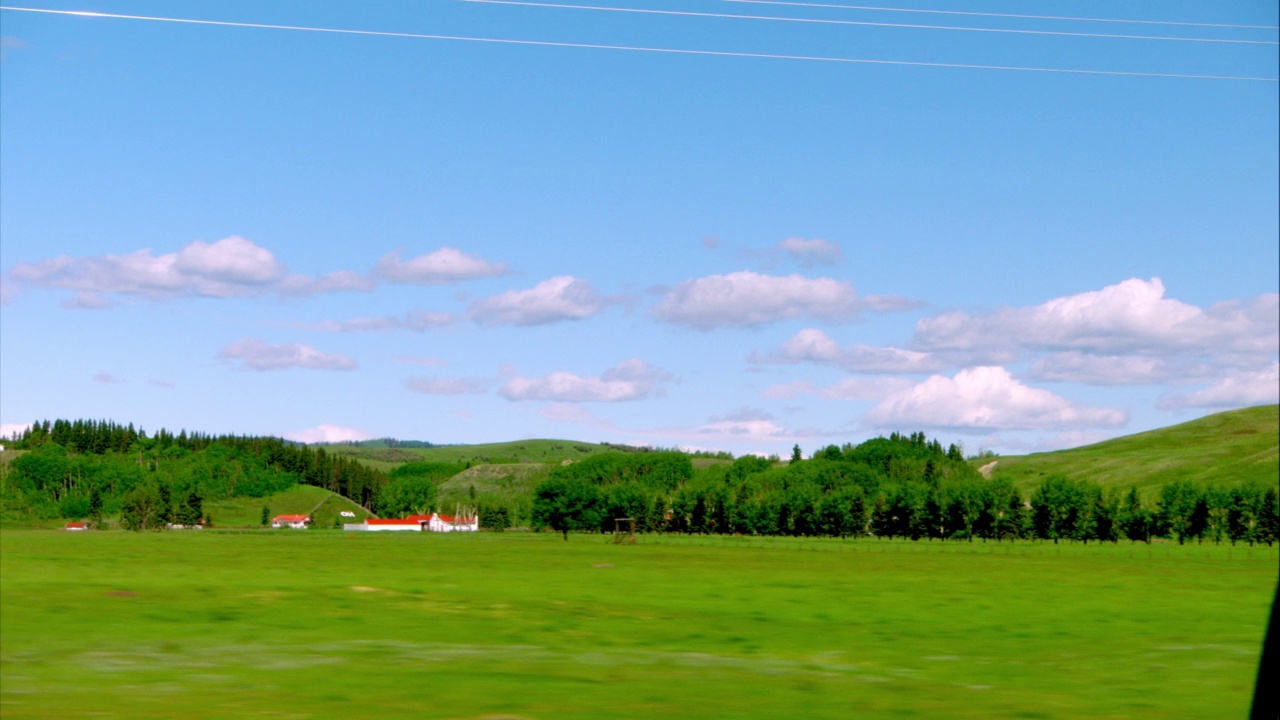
column 1006, row 15
column 865, row 23
column 632, row 48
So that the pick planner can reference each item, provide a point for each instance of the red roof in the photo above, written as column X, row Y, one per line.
column 292, row 518
column 452, row 519
column 76, row 525
column 419, row 518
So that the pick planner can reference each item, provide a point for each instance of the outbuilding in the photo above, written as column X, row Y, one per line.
column 298, row 522
column 76, row 526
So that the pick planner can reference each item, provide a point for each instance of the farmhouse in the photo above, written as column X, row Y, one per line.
column 449, row 523
column 298, row 522
column 435, row 522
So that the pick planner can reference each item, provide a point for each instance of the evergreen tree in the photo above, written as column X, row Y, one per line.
column 1268, row 516
column 95, row 505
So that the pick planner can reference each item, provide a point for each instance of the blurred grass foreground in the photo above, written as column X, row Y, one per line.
column 324, row 624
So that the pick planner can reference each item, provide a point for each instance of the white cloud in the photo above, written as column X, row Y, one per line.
column 8, row 430
column 443, row 266
column 746, row 298
column 340, row 281
column 106, row 379
column 417, row 321
column 230, row 267
column 633, row 379
column 851, row 389
column 813, row 345
column 448, row 386
column 761, row 428
column 1100, row 369
column 258, row 355
column 811, row 252
column 324, row 433
column 986, row 398
column 1238, row 388
column 1132, row 317
column 560, row 298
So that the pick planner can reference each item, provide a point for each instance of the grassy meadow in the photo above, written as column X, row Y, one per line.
column 321, row 624
column 1228, row 448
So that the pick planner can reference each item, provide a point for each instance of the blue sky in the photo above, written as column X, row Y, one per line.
column 338, row 236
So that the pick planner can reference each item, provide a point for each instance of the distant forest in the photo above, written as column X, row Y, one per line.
column 901, row 486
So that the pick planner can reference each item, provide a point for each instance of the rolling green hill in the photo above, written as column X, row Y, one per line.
column 1228, row 448
column 518, row 451
column 322, row 505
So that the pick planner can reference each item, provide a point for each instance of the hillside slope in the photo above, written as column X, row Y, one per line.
column 1228, row 448
column 518, row 451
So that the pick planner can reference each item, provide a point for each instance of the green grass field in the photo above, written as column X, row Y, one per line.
column 323, row 624
column 1228, row 448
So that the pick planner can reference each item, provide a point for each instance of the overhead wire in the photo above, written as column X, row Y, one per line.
column 864, row 23
column 971, row 13
column 629, row 48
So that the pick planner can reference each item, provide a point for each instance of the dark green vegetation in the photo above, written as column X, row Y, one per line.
column 323, row 625
column 98, row 470
column 900, row 486
column 1228, row 449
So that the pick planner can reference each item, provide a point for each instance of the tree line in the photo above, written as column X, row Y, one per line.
column 902, row 486
column 88, row 469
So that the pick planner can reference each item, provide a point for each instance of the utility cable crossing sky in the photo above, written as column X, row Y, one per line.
column 864, row 23
column 627, row 48
column 969, row 13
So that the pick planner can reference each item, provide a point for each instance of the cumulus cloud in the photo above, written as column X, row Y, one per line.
column 255, row 354
column 1101, row 369
column 443, row 266
column 1132, row 317
column 633, row 379
column 1237, row 388
column 340, row 281
column 744, row 421
column 815, row 346
column 324, row 433
column 230, row 267
column 554, row 300
column 811, row 252
column 448, row 386
column 744, row 299
column 416, row 321
column 986, row 398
